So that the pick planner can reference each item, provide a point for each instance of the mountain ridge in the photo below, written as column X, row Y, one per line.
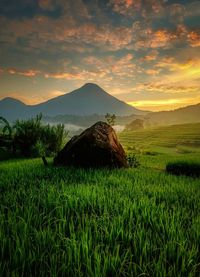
column 90, row 100
column 183, row 115
column 86, row 100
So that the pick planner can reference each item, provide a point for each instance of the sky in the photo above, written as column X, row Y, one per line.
column 144, row 52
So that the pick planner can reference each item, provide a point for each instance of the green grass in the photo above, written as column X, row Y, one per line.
column 72, row 222
column 167, row 136
column 158, row 146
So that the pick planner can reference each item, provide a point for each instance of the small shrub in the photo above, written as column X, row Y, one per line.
column 184, row 168
column 132, row 160
column 150, row 153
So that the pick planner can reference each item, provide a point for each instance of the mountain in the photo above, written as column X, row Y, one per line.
column 189, row 114
column 12, row 108
column 87, row 100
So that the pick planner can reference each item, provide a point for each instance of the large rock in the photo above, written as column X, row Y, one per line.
column 97, row 146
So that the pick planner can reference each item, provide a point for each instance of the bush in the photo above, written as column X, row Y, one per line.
column 52, row 138
column 26, row 135
column 184, row 168
column 132, row 160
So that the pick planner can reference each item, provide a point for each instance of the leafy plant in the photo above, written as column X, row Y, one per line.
column 132, row 160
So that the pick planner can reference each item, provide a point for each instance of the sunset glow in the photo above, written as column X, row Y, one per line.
column 145, row 53
column 165, row 105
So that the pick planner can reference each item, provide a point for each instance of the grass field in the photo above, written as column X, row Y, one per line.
column 157, row 146
column 132, row 222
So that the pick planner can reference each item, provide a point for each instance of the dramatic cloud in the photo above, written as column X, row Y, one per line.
column 135, row 47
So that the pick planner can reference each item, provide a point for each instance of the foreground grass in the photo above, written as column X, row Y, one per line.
column 134, row 222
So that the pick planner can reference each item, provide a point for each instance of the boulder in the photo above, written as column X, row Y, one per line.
column 97, row 146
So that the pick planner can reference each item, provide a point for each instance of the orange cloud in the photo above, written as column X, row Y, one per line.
column 172, row 65
column 96, row 68
column 152, row 71
column 146, row 37
column 194, row 39
column 27, row 73
column 151, row 56
column 166, row 88
column 121, row 67
column 161, row 38
column 126, row 7
column 65, row 30
column 128, row 3
column 64, row 75
column 86, row 75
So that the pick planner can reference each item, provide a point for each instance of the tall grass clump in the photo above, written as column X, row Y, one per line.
column 186, row 168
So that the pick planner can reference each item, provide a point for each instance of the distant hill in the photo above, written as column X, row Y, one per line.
column 87, row 100
column 12, row 108
column 189, row 114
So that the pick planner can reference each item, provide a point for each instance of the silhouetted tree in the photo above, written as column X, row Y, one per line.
column 110, row 118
